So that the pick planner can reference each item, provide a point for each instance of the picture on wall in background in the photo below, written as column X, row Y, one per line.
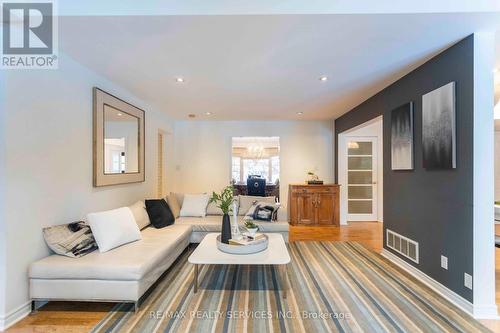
column 438, row 128
column 402, row 137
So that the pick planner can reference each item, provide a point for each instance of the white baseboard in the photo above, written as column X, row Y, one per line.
column 14, row 316
column 477, row 311
column 486, row 312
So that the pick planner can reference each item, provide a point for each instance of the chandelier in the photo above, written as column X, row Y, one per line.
column 256, row 151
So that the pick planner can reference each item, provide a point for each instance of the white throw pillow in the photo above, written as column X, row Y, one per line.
column 140, row 214
column 113, row 228
column 194, row 205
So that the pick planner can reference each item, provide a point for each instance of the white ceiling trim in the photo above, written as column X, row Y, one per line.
column 270, row 7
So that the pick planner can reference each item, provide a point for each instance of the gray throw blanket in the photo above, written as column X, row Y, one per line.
column 71, row 240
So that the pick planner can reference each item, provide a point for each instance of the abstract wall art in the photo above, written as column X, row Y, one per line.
column 402, row 137
column 438, row 128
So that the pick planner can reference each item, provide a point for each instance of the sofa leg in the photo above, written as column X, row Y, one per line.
column 33, row 307
column 136, row 307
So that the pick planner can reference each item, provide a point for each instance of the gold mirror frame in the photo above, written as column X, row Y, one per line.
column 100, row 178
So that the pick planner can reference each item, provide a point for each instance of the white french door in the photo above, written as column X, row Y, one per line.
column 361, row 178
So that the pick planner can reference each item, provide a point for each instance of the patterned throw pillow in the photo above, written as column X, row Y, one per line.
column 72, row 240
column 247, row 201
column 262, row 211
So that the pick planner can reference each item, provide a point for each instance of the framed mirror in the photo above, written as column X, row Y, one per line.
column 118, row 141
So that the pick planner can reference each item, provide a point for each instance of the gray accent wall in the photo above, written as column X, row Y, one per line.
column 432, row 207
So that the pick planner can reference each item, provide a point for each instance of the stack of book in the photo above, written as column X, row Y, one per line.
column 248, row 240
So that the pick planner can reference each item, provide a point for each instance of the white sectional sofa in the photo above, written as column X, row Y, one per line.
column 125, row 273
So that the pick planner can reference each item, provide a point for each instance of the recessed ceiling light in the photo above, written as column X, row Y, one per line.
column 208, row 113
column 179, row 79
column 323, row 78
column 300, row 113
column 119, row 114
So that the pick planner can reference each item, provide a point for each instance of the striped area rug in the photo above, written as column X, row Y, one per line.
column 335, row 287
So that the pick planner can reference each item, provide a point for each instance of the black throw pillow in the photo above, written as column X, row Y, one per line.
column 159, row 213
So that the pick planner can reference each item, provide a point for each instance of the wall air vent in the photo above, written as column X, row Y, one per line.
column 404, row 246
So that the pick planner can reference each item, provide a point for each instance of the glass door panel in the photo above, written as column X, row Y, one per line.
column 359, row 162
column 360, row 177
column 357, row 177
column 360, row 192
column 360, row 207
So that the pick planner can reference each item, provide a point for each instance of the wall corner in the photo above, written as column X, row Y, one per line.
column 483, row 174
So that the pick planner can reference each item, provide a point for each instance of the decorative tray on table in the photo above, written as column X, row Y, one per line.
column 245, row 245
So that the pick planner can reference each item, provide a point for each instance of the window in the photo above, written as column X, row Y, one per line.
column 255, row 156
column 256, row 167
column 275, row 169
column 116, row 161
column 236, row 169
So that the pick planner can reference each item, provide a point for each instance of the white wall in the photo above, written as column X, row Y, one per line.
column 3, row 245
column 497, row 165
column 203, row 151
column 372, row 128
column 48, row 163
column 483, row 187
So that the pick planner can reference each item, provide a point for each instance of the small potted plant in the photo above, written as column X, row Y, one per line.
column 251, row 227
column 224, row 201
column 313, row 178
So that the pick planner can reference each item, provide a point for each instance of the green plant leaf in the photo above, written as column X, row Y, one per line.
column 224, row 199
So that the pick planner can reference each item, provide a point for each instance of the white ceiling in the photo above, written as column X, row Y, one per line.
column 262, row 66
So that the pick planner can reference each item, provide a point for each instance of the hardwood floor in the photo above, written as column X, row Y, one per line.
column 497, row 266
column 494, row 325
column 63, row 317
column 367, row 233
column 76, row 317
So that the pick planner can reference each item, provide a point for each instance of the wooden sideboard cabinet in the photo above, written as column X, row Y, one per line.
column 314, row 204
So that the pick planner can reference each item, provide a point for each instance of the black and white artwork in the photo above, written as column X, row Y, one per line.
column 438, row 128
column 402, row 137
